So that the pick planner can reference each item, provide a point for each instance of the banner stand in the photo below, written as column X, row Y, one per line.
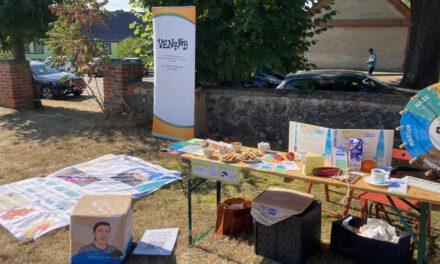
column 174, row 72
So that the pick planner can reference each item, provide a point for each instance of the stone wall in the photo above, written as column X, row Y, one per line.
column 257, row 115
column 252, row 115
column 139, row 98
column 116, row 83
column 16, row 84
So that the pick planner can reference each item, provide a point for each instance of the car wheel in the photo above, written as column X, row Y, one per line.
column 77, row 93
column 47, row 92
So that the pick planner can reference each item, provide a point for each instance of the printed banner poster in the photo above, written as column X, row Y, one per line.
column 33, row 207
column 214, row 171
column 378, row 143
column 174, row 71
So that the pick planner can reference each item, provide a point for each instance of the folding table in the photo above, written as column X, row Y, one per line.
column 424, row 196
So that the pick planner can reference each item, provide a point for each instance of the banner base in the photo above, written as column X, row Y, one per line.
column 166, row 137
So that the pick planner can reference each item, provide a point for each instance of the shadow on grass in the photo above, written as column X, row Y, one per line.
column 138, row 259
column 223, row 257
column 57, row 122
column 72, row 98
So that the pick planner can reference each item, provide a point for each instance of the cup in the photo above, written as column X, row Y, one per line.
column 208, row 151
column 302, row 156
column 379, row 175
column 263, row 147
column 236, row 146
column 223, row 150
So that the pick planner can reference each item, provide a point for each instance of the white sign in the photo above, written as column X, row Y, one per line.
column 157, row 242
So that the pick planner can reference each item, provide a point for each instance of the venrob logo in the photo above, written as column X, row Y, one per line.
column 173, row 44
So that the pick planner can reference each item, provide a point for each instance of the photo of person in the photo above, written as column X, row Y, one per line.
column 101, row 236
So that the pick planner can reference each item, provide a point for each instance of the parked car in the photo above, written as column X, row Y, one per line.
column 67, row 66
column 264, row 78
column 334, row 81
column 139, row 61
column 53, row 83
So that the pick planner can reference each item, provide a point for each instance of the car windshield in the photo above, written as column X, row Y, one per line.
column 41, row 69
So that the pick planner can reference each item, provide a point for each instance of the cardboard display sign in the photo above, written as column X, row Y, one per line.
column 378, row 143
column 174, row 71
column 101, row 229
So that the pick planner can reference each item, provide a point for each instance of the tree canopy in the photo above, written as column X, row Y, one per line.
column 127, row 47
column 234, row 38
column 23, row 21
column 69, row 35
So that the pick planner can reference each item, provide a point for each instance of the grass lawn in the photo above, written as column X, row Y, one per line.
column 70, row 132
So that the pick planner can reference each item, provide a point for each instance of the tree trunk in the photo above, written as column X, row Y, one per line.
column 422, row 61
column 17, row 47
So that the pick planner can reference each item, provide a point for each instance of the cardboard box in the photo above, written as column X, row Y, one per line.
column 276, row 204
column 101, row 229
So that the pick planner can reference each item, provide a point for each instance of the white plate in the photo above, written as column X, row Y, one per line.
column 369, row 180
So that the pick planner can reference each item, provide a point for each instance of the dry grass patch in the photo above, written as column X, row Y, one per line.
column 70, row 132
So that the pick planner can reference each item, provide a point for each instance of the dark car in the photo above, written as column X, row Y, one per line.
column 53, row 83
column 264, row 78
column 137, row 61
column 351, row 81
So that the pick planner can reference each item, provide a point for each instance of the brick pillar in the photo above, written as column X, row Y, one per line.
column 16, row 83
column 115, row 84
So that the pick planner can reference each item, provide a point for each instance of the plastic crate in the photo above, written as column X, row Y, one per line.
column 293, row 240
column 367, row 250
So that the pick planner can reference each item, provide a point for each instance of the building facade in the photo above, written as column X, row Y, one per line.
column 117, row 29
column 359, row 25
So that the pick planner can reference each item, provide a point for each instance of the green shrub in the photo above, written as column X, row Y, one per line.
column 236, row 37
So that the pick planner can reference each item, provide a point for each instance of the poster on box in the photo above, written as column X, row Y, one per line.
column 174, row 71
column 378, row 143
column 101, row 229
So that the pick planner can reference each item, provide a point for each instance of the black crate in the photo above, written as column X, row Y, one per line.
column 293, row 240
column 366, row 250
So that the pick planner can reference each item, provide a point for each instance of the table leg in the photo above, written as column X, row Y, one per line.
column 190, row 237
column 423, row 228
column 402, row 219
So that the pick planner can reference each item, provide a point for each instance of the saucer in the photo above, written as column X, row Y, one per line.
column 369, row 180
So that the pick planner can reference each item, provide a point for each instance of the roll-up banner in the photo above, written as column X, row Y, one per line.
column 174, row 71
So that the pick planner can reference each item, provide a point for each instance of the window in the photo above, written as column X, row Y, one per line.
column 347, row 84
column 107, row 47
column 41, row 69
column 27, row 48
column 306, row 85
column 38, row 47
